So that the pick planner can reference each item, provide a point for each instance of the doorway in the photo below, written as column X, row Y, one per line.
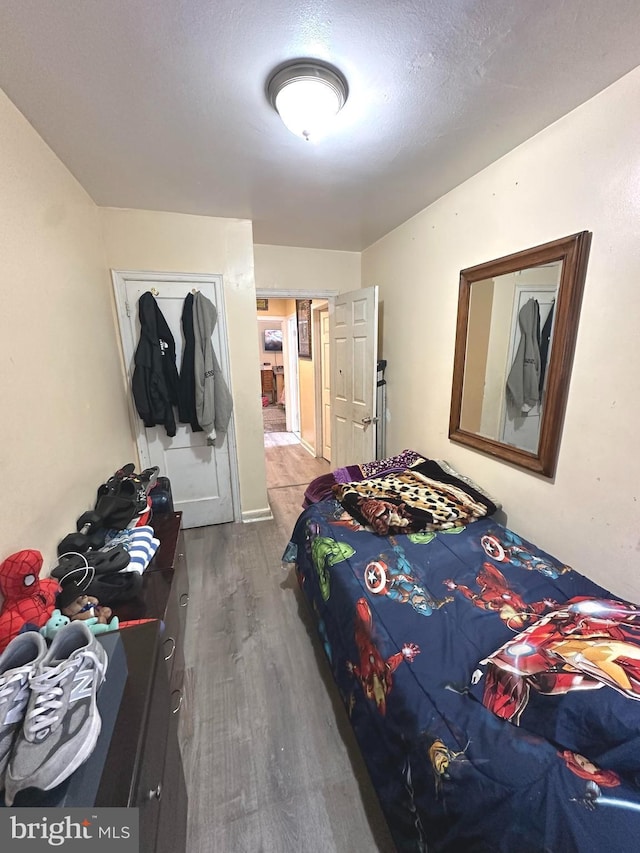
column 278, row 370
column 305, row 435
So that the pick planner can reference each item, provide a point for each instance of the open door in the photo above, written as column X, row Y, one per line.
column 354, row 356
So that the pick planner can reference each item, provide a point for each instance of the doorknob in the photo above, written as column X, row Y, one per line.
column 367, row 421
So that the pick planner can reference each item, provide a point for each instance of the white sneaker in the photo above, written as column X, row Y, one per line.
column 62, row 723
column 17, row 661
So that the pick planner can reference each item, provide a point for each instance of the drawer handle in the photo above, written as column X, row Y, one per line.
column 184, row 599
column 173, row 647
column 155, row 793
column 179, row 705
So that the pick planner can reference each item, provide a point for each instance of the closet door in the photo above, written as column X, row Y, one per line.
column 201, row 475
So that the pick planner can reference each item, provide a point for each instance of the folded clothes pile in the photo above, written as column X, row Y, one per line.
column 138, row 542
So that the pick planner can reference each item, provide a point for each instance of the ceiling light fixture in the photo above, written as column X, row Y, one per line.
column 307, row 95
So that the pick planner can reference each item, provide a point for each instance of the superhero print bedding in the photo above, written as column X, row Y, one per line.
column 421, row 631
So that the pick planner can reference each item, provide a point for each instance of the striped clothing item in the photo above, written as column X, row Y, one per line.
column 140, row 544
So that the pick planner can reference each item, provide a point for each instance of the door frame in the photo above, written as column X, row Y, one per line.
column 291, row 390
column 316, row 349
column 330, row 296
column 128, row 346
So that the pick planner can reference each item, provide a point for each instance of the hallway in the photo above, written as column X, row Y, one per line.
column 288, row 463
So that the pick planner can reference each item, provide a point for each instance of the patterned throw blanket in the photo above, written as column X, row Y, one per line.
column 422, row 497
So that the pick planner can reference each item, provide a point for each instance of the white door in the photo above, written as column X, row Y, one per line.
column 524, row 432
column 325, row 393
column 200, row 474
column 354, row 355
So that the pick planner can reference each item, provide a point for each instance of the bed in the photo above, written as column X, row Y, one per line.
column 490, row 687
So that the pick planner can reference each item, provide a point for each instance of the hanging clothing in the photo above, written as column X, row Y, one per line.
column 187, row 387
column 523, row 382
column 213, row 398
column 545, row 343
column 155, row 376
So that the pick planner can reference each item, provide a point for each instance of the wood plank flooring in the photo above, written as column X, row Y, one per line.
column 270, row 759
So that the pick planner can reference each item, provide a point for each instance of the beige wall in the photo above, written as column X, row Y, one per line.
column 307, row 403
column 581, row 173
column 65, row 426
column 173, row 242
column 309, row 270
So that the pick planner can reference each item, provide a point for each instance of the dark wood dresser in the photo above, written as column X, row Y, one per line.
column 144, row 766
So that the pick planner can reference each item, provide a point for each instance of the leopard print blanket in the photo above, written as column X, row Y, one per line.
column 423, row 497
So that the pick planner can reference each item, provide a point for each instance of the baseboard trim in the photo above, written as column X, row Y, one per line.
column 252, row 515
column 308, row 447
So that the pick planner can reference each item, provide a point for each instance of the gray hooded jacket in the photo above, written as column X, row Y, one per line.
column 523, row 383
column 213, row 398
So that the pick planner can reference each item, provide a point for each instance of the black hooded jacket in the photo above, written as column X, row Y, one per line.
column 187, row 388
column 155, row 376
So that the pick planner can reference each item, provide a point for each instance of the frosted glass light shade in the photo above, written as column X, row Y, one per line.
column 307, row 97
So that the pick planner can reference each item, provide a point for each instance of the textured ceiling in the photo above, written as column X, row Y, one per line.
column 160, row 104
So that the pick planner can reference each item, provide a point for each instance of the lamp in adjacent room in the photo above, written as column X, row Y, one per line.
column 307, row 95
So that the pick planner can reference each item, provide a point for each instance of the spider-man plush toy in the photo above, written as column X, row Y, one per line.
column 27, row 597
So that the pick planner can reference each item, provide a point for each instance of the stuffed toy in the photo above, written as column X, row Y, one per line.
column 27, row 598
column 55, row 622
column 85, row 607
column 58, row 620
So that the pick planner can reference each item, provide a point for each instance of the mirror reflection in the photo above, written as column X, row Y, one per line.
column 515, row 337
column 509, row 340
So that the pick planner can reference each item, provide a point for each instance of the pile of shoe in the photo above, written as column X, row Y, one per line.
column 125, row 497
column 49, row 719
column 122, row 503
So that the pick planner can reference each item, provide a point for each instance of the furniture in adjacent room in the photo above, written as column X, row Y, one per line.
column 267, row 382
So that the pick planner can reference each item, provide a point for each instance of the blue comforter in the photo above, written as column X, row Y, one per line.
column 405, row 622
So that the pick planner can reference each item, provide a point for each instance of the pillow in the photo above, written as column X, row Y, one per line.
column 451, row 470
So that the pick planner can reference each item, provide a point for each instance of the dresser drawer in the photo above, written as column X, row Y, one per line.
column 172, row 824
column 181, row 576
column 173, row 639
column 150, row 787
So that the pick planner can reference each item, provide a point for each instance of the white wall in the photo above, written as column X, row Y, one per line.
column 582, row 173
column 175, row 242
column 289, row 268
column 64, row 428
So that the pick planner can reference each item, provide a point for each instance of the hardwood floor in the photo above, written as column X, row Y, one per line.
column 270, row 759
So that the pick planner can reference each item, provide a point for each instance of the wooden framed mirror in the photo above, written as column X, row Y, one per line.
column 515, row 336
